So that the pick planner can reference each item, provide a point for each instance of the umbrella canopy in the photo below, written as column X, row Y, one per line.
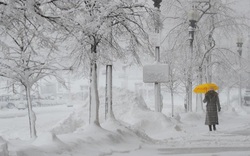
column 203, row 88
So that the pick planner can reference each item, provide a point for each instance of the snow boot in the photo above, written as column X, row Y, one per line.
column 210, row 127
column 214, row 127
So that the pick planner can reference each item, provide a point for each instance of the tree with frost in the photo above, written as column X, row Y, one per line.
column 214, row 17
column 217, row 19
column 171, row 58
column 28, row 50
column 103, row 31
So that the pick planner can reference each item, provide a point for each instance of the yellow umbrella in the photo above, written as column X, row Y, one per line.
column 203, row 88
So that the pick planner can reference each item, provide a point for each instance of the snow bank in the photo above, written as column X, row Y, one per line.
column 99, row 134
column 94, row 140
column 79, row 118
column 71, row 123
column 122, row 102
column 3, row 147
column 141, row 117
column 50, row 142
column 235, row 109
column 134, row 126
column 127, row 131
column 113, row 135
column 132, row 112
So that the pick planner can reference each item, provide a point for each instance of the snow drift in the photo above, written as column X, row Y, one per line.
column 3, row 147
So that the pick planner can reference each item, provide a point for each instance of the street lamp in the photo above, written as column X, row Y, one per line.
column 193, row 18
column 239, row 45
column 157, row 3
column 157, row 86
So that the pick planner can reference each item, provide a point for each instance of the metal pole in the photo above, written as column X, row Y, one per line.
column 199, row 105
column 172, row 101
column 171, row 88
column 248, row 57
column 190, row 70
column 240, row 88
column 106, row 94
column 157, row 87
column 193, row 17
column 239, row 45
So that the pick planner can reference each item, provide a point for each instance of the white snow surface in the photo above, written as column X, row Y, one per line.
column 137, row 130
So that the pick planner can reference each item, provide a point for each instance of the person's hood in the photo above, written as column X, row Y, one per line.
column 211, row 93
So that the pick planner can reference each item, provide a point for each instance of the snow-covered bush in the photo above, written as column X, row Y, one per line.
column 3, row 147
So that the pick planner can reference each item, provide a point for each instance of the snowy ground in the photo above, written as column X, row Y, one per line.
column 137, row 131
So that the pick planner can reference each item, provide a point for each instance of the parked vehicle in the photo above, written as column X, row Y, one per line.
column 19, row 102
column 6, row 101
column 22, row 105
column 247, row 97
column 8, row 105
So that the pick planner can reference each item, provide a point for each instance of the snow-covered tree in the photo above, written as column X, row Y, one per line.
column 27, row 49
column 102, row 31
column 216, row 20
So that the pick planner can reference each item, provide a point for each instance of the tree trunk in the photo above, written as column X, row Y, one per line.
column 94, row 97
column 32, row 116
column 108, row 103
column 209, row 57
column 209, row 68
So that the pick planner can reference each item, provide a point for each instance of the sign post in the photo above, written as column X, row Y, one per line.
column 156, row 73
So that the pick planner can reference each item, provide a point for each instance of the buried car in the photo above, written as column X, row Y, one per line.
column 22, row 105
column 6, row 104
column 247, row 97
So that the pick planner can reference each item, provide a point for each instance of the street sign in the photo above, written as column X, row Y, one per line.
column 155, row 73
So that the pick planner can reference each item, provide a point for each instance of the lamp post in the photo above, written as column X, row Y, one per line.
column 239, row 45
column 248, row 58
column 157, row 86
column 193, row 18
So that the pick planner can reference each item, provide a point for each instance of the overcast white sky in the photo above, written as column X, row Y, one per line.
column 243, row 6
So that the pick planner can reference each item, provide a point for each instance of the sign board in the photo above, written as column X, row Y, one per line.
column 156, row 73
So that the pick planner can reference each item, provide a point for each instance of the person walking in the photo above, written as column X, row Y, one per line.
column 212, row 108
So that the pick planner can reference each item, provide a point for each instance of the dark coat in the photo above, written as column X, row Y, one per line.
column 213, row 106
